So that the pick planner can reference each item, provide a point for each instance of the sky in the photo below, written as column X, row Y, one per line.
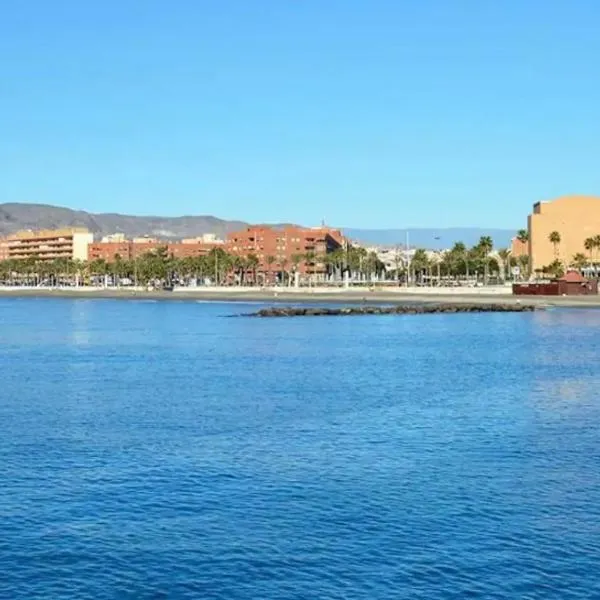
column 374, row 114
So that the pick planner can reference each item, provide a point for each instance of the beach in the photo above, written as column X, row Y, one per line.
column 306, row 295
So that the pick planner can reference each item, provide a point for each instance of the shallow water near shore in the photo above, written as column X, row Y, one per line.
column 154, row 450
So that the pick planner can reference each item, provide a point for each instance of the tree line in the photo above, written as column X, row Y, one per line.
column 468, row 263
column 219, row 266
column 355, row 262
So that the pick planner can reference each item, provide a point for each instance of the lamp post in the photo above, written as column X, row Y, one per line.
column 407, row 259
column 437, row 238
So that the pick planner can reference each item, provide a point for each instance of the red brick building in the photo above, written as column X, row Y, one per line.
column 108, row 251
column 278, row 250
column 287, row 248
column 191, row 248
column 131, row 249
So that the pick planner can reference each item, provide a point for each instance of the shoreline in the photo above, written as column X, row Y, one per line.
column 314, row 295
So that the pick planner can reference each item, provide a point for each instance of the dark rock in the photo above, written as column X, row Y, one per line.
column 291, row 311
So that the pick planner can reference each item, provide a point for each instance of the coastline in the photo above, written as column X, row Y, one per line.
column 311, row 295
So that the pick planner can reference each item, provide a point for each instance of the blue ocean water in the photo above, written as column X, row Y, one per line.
column 161, row 450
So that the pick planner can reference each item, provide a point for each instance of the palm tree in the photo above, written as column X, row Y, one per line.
column 554, row 239
column 373, row 265
column 596, row 240
column 523, row 236
column 579, row 261
column 398, row 263
column 420, row 263
column 457, row 260
column 253, row 262
column 98, row 268
column 483, row 248
column 310, row 258
column 270, row 260
column 219, row 263
column 336, row 260
column 555, row 268
column 296, row 261
column 283, row 263
column 504, row 255
column 117, row 268
column 239, row 265
column 590, row 244
column 199, row 267
column 523, row 263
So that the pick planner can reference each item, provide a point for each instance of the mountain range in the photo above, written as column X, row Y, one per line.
column 17, row 216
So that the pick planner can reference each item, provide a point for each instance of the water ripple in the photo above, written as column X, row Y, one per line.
column 152, row 450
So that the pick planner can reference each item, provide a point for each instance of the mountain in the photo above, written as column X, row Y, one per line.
column 16, row 216
column 435, row 239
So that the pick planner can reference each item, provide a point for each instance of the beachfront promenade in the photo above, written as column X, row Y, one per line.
column 296, row 295
column 283, row 291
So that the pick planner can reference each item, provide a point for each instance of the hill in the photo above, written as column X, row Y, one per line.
column 17, row 216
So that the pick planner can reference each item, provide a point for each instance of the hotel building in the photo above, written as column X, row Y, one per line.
column 47, row 244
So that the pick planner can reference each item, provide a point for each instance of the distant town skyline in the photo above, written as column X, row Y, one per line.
column 372, row 115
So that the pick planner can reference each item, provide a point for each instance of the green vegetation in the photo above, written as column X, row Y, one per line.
column 461, row 262
column 555, row 269
column 153, row 268
column 579, row 261
column 592, row 246
column 159, row 269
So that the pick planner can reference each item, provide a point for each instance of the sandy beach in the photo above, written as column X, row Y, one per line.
column 304, row 295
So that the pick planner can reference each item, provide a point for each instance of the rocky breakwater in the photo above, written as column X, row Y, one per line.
column 422, row 309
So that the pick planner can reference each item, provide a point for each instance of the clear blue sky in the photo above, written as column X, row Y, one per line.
column 368, row 113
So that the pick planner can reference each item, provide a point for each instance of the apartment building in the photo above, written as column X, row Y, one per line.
column 111, row 247
column 194, row 247
column 286, row 248
column 47, row 244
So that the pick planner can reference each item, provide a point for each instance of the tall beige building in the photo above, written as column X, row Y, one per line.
column 575, row 218
column 48, row 244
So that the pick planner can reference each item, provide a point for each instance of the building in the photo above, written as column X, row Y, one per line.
column 190, row 248
column 394, row 258
column 205, row 238
column 519, row 247
column 287, row 248
column 574, row 218
column 109, row 250
column 115, row 246
column 47, row 244
column 114, row 237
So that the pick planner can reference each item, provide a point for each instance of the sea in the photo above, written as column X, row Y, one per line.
column 167, row 450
